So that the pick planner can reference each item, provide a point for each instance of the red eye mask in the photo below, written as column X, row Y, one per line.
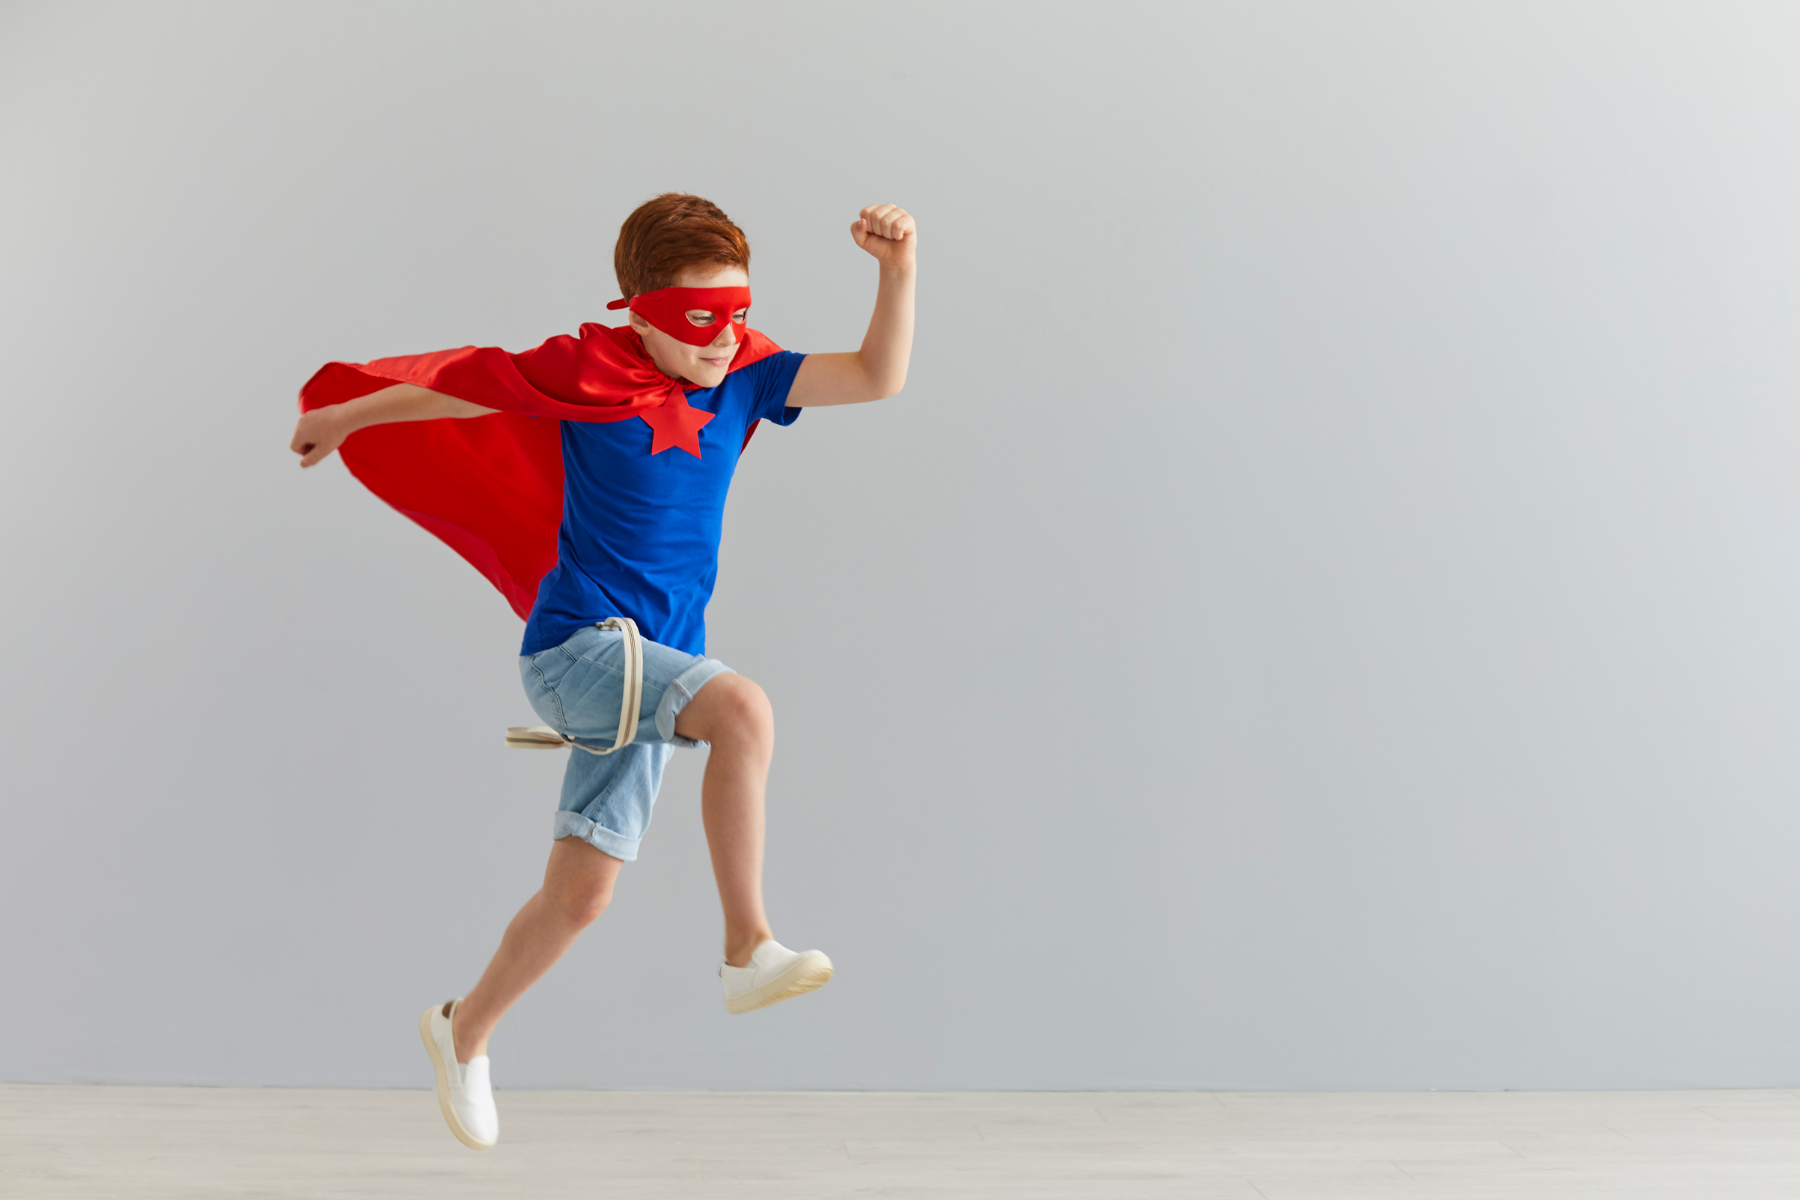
column 667, row 309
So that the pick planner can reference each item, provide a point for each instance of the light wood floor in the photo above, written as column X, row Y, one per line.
column 196, row 1143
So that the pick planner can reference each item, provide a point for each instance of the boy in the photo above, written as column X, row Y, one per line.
column 601, row 525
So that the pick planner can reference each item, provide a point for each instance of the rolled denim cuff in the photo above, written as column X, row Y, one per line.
column 573, row 824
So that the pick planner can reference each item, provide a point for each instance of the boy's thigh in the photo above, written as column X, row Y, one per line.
column 578, row 688
column 607, row 799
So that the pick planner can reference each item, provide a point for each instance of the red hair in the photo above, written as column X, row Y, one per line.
column 665, row 236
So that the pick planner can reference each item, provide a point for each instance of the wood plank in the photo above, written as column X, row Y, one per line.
column 200, row 1143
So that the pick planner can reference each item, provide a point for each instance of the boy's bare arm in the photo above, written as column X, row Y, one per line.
column 878, row 369
column 323, row 429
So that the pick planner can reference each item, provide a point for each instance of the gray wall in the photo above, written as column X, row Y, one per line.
column 1321, row 614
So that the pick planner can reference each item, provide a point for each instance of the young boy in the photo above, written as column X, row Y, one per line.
column 602, row 523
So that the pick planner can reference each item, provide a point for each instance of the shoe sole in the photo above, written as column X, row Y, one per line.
column 443, row 1085
column 810, row 971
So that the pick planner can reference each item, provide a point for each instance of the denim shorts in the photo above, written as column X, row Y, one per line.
column 576, row 689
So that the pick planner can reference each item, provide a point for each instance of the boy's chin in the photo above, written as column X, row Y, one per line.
column 706, row 377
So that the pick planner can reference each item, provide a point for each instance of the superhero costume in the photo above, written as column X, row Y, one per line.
column 492, row 488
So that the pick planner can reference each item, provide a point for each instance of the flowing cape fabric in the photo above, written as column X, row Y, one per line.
column 492, row 487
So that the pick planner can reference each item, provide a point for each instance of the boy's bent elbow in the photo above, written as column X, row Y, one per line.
column 881, row 389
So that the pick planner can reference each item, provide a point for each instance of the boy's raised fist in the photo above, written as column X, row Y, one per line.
column 887, row 232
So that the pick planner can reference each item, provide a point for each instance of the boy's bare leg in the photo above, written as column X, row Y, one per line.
column 578, row 885
column 734, row 715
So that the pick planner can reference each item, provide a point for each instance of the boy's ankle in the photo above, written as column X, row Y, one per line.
column 739, row 949
column 466, row 1050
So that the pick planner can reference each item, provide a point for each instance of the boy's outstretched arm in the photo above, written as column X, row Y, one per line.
column 321, row 430
column 879, row 368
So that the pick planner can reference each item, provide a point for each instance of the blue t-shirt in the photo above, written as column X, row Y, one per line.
column 640, row 532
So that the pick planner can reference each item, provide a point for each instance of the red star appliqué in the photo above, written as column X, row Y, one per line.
column 677, row 423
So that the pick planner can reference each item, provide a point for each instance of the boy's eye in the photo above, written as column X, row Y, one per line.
column 741, row 315
column 700, row 316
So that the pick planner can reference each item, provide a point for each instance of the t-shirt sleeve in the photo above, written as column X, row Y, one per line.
column 774, row 380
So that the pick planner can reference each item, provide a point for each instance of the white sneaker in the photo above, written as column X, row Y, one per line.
column 465, row 1096
column 775, row 973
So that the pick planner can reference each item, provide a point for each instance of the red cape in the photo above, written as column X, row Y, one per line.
column 492, row 487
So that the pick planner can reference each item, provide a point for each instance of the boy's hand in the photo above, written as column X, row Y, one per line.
column 318, row 434
column 886, row 231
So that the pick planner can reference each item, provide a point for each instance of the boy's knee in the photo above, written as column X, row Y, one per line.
column 737, row 709
column 747, row 711
column 583, row 904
